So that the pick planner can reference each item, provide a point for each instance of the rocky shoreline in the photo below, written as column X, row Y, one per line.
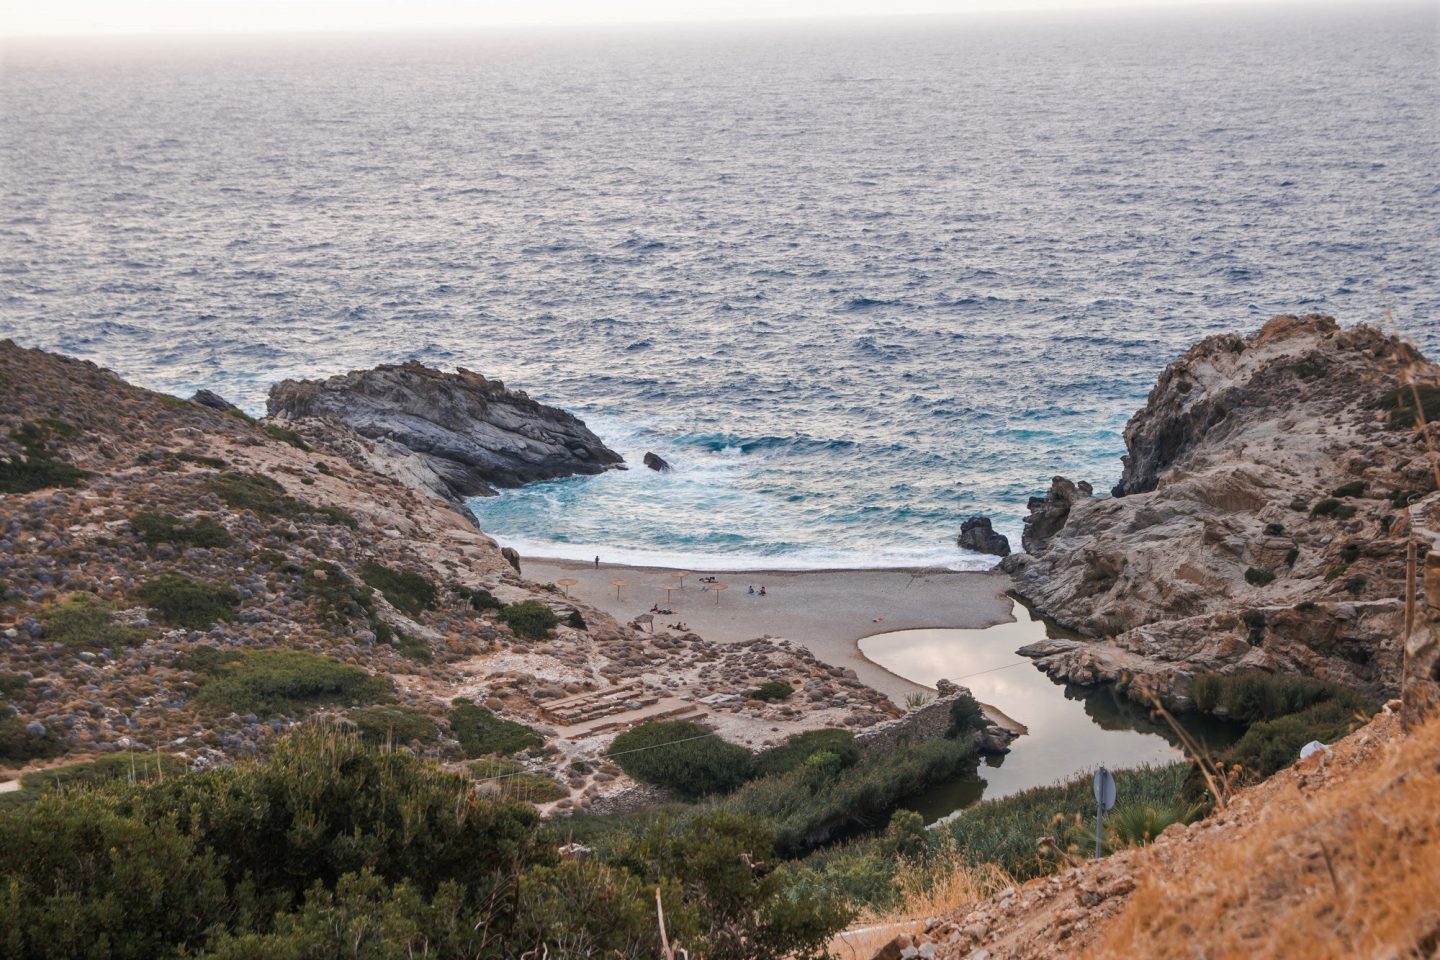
column 1261, row 520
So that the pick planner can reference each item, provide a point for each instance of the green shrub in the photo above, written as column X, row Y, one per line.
column 286, row 435
column 480, row 599
column 11, row 684
column 183, row 602
column 1305, row 606
column 1310, row 369
column 1258, row 576
column 1272, row 745
column 966, row 715
column 413, row 648
column 683, row 757
column 1345, row 511
column 214, row 463
column 154, row 527
column 126, row 766
column 339, row 598
column 1325, row 507
column 408, row 592
column 820, row 800
column 576, row 621
column 35, row 468
column 772, row 690
column 514, row 782
column 530, row 619
column 251, row 491
column 800, row 747
column 1138, row 824
column 1291, row 556
column 1250, row 696
column 18, row 745
column 392, row 725
column 481, row 733
column 83, row 620
column 286, row 682
column 1352, row 489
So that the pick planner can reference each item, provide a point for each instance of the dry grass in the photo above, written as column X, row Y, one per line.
column 935, row 887
column 1347, row 869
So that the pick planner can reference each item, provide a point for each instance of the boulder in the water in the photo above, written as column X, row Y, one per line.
column 977, row 534
column 656, row 462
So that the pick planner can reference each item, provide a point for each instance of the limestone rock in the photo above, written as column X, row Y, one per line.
column 208, row 398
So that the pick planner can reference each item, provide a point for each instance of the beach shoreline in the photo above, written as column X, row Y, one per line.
column 826, row 611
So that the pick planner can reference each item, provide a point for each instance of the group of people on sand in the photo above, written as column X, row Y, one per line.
column 678, row 624
column 662, row 611
column 761, row 592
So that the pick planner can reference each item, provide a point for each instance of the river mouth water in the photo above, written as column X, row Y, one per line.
column 1071, row 729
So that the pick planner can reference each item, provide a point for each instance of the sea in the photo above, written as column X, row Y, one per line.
column 855, row 280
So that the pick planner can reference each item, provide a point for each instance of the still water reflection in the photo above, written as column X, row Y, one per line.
column 1072, row 729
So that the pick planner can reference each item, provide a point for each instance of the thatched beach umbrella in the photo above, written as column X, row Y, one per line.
column 667, row 587
column 566, row 583
column 617, row 583
column 680, row 575
column 717, row 587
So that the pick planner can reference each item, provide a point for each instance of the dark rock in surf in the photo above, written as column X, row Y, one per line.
column 978, row 535
column 1049, row 513
column 208, row 398
column 657, row 463
column 455, row 434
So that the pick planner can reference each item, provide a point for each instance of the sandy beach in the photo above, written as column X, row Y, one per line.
column 828, row 611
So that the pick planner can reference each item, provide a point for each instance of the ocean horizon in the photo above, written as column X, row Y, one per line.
column 849, row 326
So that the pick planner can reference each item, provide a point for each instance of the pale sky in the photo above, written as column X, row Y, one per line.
column 71, row 17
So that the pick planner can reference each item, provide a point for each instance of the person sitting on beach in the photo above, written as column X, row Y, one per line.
column 762, row 591
column 750, row 589
column 655, row 608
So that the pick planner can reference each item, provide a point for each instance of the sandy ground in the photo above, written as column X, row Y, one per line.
column 827, row 611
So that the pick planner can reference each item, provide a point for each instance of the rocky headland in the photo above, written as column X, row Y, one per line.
column 455, row 435
column 155, row 551
column 1261, row 520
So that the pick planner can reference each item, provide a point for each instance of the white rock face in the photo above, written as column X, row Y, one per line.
column 1259, row 520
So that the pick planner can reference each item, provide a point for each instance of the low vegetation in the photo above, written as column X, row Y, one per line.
column 408, row 592
column 530, row 619
column 266, row 497
column 772, row 690
column 390, row 725
column 1259, row 577
column 514, row 782
column 183, row 602
column 286, row 435
column 683, row 757
column 800, row 747
column 330, row 841
column 126, row 766
column 480, row 598
column 271, row 683
column 481, row 733
column 1403, row 409
column 84, row 621
column 154, row 527
column 35, row 468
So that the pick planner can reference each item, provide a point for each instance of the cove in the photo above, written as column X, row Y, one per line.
column 1071, row 729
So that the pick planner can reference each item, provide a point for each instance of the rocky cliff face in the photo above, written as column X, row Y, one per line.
column 455, row 435
column 1259, row 521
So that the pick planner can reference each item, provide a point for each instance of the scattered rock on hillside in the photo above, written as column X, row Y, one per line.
column 978, row 535
column 213, row 400
column 469, row 434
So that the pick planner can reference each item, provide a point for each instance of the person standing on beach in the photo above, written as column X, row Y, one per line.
column 597, row 563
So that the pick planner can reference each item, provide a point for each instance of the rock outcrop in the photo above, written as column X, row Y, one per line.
column 978, row 535
column 456, row 434
column 213, row 400
column 1259, row 520
column 657, row 463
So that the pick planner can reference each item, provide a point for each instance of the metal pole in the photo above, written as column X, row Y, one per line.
column 1099, row 818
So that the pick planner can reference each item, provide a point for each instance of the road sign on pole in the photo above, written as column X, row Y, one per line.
column 1104, row 800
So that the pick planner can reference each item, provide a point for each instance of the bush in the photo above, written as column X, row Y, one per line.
column 966, row 715
column 1138, row 824
column 413, row 648
column 407, row 592
column 1259, row 577
column 18, row 745
column 514, row 782
column 1352, row 489
column 154, row 527
column 126, row 766
column 530, row 619
column 481, row 733
column 1272, row 745
column 1325, row 507
column 1403, row 410
column 183, row 602
column 480, row 598
column 339, row 598
column 266, row 497
column 1291, row 556
column 772, row 690
column 83, row 620
column 286, row 435
column 35, row 468
column 1251, row 696
column 800, row 747
column 11, row 684
column 576, row 621
column 392, row 725
column 286, row 682
column 683, row 757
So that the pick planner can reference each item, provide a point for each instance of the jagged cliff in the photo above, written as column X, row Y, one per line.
column 1259, row 521
column 455, row 435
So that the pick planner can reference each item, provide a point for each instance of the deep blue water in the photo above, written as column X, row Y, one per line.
column 855, row 283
